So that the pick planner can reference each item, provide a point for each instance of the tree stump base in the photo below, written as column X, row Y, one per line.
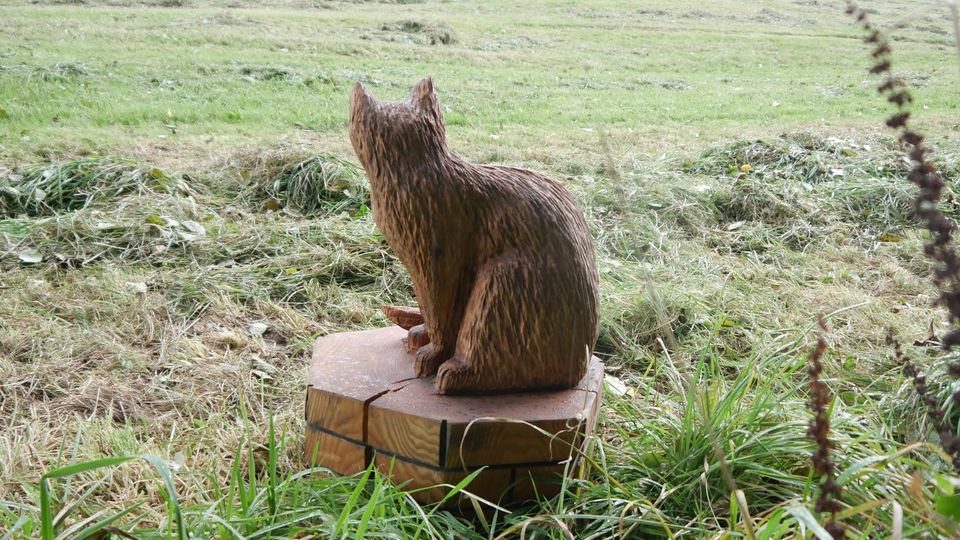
column 365, row 406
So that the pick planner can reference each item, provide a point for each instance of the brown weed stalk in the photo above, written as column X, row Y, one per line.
column 948, row 439
column 819, row 431
column 928, row 179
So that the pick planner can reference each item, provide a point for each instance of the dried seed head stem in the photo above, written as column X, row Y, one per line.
column 819, row 431
column 931, row 183
column 924, row 175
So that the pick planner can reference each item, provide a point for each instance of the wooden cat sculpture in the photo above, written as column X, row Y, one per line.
column 501, row 259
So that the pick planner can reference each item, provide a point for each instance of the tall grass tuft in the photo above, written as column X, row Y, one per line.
column 259, row 500
column 97, row 525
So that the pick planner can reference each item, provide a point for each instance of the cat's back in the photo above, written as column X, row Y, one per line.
column 531, row 197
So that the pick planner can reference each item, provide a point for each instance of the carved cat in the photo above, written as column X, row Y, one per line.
column 501, row 259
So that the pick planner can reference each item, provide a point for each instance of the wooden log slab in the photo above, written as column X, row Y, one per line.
column 365, row 406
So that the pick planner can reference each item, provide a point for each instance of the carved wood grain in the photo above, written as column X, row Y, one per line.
column 365, row 402
column 404, row 317
column 490, row 484
column 334, row 453
column 483, row 430
column 407, row 434
column 501, row 259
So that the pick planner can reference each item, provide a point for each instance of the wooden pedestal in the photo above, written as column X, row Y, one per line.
column 364, row 406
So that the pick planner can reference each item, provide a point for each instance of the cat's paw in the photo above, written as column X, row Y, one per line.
column 417, row 337
column 452, row 376
column 428, row 360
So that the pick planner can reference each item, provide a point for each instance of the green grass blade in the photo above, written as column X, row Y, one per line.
column 340, row 527
column 47, row 530
column 19, row 524
column 161, row 466
column 272, row 467
column 804, row 516
column 368, row 511
column 46, row 504
column 78, row 468
column 91, row 530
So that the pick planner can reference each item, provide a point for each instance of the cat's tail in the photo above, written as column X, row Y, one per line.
column 404, row 317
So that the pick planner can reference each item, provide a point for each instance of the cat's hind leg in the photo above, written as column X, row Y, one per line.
column 494, row 342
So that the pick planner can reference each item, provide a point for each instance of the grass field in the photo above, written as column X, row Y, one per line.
column 181, row 215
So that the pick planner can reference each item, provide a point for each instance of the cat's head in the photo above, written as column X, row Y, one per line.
column 386, row 134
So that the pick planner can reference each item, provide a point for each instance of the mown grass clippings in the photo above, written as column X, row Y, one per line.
column 747, row 198
column 155, row 228
column 763, row 208
column 435, row 33
column 299, row 181
column 60, row 187
column 268, row 73
column 636, row 319
column 798, row 157
column 61, row 72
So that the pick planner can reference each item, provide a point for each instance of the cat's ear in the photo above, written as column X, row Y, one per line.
column 361, row 99
column 424, row 98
